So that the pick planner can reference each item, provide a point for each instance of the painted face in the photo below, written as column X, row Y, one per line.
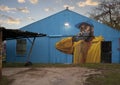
column 82, row 27
column 87, row 29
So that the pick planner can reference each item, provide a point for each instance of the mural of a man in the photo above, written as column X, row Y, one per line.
column 86, row 35
column 84, row 46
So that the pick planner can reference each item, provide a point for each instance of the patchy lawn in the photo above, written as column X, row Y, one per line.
column 49, row 75
column 5, row 81
column 110, row 73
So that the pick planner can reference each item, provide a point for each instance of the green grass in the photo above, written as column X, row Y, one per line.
column 108, row 78
column 37, row 65
column 5, row 81
column 13, row 65
column 110, row 72
column 94, row 66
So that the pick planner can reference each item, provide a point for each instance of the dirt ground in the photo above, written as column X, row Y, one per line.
column 48, row 76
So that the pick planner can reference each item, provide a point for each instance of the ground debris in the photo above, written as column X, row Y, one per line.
column 49, row 76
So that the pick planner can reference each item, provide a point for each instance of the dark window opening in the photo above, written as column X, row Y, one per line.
column 21, row 47
column 106, row 51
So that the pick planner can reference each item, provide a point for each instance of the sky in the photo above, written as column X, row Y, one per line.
column 15, row 14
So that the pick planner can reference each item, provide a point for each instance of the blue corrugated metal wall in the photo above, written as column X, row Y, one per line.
column 44, row 50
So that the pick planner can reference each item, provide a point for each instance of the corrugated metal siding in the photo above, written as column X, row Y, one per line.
column 10, row 51
column 57, row 56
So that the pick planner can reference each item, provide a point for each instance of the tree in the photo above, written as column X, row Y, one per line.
column 108, row 12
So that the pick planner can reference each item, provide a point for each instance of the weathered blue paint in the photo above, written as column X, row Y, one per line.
column 44, row 50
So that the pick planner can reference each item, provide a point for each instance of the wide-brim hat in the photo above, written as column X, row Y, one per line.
column 86, row 23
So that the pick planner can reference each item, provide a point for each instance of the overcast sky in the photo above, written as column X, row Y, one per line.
column 15, row 14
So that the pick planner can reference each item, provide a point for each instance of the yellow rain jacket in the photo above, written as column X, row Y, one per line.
column 80, row 49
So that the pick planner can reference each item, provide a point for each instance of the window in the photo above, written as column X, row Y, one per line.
column 106, row 51
column 21, row 47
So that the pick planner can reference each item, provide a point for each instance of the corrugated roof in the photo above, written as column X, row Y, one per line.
column 9, row 34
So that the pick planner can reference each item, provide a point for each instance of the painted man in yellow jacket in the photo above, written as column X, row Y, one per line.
column 81, row 45
column 86, row 35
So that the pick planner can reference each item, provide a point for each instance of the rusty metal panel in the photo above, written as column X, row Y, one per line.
column 0, row 54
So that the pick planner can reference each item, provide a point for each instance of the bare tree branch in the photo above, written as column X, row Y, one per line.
column 108, row 12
